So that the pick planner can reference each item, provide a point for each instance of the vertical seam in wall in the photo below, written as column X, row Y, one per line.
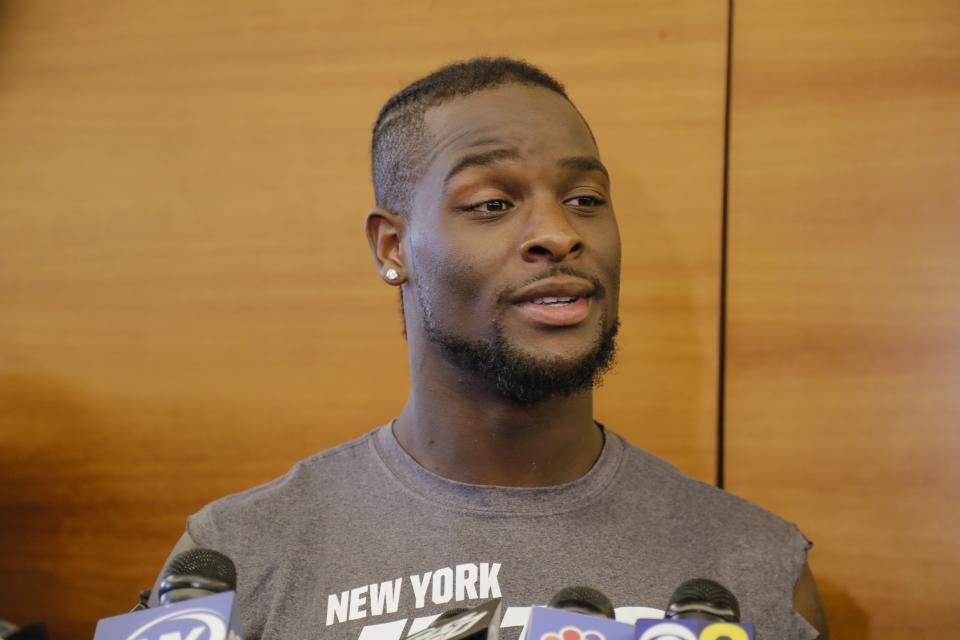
column 724, row 215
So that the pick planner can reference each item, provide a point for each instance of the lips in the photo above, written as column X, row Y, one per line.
column 555, row 302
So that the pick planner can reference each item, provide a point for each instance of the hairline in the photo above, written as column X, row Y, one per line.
column 404, row 109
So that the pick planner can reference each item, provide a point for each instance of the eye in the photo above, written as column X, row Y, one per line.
column 585, row 202
column 494, row 206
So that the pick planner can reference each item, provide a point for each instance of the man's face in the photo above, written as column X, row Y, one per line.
column 513, row 251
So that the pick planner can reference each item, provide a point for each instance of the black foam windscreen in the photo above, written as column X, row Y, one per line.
column 703, row 598
column 35, row 631
column 583, row 600
column 204, row 562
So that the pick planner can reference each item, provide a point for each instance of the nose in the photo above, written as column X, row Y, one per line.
column 549, row 235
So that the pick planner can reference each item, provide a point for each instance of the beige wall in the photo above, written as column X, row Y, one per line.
column 187, row 304
column 843, row 366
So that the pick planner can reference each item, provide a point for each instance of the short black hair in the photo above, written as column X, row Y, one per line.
column 399, row 145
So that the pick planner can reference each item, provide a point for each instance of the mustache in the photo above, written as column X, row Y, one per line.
column 506, row 294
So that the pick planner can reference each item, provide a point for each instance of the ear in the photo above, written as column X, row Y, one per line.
column 385, row 235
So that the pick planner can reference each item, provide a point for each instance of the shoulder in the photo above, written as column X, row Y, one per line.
column 739, row 530
column 265, row 509
column 756, row 553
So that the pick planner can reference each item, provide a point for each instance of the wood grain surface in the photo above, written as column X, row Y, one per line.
column 843, row 361
column 187, row 302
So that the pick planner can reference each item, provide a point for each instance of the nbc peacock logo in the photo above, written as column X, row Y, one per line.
column 572, row 633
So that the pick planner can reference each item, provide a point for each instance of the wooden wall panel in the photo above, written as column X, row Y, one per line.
column 187, row 304
column 844, row 298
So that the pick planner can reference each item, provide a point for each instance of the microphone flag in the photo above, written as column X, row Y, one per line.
column 479, row 623
column 692, row 630
column 559, row 624
column 208, row 618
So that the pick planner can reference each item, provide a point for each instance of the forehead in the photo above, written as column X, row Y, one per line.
column 532, row 121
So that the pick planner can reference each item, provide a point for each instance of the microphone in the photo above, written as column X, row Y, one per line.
column 480, row 623
column 699, row 608
column 447, row 615
column 703, row 599
column 198, row 600
column 35, row 631
column 583, row 600
column 196, row 573
column 577, row 612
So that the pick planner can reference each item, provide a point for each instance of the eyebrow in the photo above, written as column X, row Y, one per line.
column 584, row 163
column 578, row 163
column 480, row 160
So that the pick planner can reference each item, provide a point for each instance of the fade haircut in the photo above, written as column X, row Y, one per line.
column 399, row 146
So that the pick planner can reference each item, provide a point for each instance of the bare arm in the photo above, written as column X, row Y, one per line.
column 806, row 602
column 183, row 544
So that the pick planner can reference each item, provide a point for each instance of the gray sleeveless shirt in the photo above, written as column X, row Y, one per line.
column 360, row 542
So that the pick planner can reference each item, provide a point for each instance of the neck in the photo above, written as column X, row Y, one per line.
column 458, row 428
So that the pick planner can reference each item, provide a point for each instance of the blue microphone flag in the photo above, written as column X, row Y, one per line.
column 208, row 618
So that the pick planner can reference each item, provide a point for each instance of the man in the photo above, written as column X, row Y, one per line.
column 494, row 219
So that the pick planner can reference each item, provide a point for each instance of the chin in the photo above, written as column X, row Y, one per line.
column 558, row 359
column 526, row 376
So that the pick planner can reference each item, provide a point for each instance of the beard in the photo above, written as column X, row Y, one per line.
column 521, row 378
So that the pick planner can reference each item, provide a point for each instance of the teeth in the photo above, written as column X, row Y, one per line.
column 554, row 300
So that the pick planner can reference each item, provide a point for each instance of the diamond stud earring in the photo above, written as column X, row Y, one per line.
column 392, row 275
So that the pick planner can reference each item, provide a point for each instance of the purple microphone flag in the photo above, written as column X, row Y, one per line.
column 209, row 618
